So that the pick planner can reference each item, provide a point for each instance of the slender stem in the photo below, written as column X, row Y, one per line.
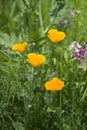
column 60, row 111
column 29, row 111
column 60, row 103
column 41, row 19
column 59, row 72
column 61, row 59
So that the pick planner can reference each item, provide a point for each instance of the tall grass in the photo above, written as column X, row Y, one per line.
column 25, row 104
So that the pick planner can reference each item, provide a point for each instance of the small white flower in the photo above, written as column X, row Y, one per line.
column 29, row 106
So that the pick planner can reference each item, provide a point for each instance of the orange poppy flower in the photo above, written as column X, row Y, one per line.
column 54, row 85
column 55, row 35
column 19, row 47
column 35, row 59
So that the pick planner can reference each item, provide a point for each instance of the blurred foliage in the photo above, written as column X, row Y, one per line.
column 24, row 103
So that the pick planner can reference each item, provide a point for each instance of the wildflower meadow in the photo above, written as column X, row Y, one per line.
column 43, row 65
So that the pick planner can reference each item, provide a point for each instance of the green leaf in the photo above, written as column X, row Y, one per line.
column 7, row 40
column 50, row 110
column 18, row 126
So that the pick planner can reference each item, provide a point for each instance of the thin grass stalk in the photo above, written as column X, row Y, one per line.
column 41, row 19
column 29, row 118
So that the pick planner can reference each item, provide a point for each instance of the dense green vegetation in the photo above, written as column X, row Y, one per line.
column 25, row 104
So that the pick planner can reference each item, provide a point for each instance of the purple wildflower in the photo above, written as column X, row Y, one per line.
column 78, row 56
column 79, row 52
column 75, row 46
column 82, row 50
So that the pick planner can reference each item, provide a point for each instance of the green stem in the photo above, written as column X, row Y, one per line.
column 60, row 103
column 60, row 115
column 41, row 19
column 30, row 107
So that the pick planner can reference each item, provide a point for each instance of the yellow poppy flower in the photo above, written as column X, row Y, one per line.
column 19, row 47
column 55, row 35
column 35, row 59
column 54, row 85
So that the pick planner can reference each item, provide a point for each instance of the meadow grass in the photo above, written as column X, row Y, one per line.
column 25, row 104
